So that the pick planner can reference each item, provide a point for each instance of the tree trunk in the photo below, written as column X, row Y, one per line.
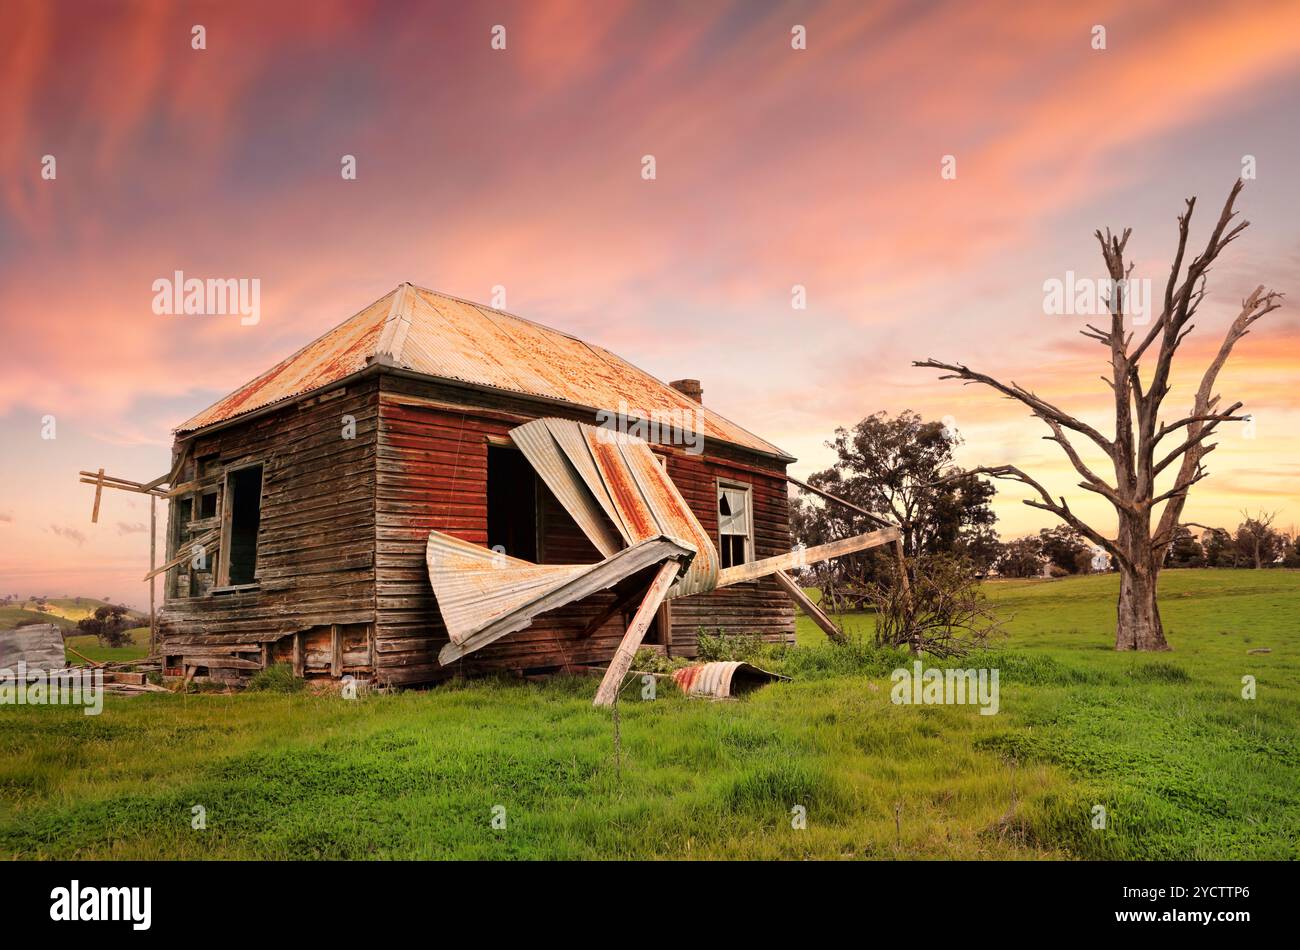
column 1139, row 626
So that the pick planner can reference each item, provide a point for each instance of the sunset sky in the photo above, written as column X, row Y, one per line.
column 522, row 168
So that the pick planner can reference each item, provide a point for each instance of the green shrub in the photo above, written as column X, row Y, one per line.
column 276, row 678
column 651, row 661
column 727, row 646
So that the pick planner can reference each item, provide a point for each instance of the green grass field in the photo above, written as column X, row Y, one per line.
column 1183, row 765
column 89, row 647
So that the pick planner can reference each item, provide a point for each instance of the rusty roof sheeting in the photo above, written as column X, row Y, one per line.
column 722, row 679
column 448, row 338
column 341, row 352
column 593, row 470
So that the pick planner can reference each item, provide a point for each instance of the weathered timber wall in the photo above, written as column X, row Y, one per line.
column 344, row 524
column 316, row 539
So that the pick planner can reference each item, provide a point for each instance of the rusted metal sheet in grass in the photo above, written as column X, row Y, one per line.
column 723, row 679
column 592, row 470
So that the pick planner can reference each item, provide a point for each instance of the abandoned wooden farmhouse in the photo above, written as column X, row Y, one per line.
column 436, row 486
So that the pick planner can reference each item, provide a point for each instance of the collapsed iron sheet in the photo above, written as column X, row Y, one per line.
column 39, row 645
column 608, row 480
column 723, row 679
column 484, row 595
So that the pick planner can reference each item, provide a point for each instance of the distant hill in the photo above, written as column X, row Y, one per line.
column 61, row 611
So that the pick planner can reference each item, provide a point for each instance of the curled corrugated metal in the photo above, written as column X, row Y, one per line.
column 444, row 337
column 722, row 679
column 595, row 472
column 484, row 595
column 475, row 585
column 557, row 470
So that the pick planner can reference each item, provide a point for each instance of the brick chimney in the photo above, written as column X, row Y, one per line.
column 689, row 387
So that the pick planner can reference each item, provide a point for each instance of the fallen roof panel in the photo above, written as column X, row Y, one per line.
column 484, row 595
column 594, row 471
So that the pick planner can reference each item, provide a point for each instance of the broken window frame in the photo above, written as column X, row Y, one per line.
column 178, row 535
column 726, row 484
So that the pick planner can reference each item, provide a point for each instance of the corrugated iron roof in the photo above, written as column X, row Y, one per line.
column 448, row 338
column 342, row 351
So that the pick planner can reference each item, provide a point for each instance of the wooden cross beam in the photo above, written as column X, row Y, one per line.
column 753, row 570
column 102, row 481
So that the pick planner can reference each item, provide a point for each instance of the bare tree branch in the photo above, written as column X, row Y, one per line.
column 1041, row 407
column 1061, row 509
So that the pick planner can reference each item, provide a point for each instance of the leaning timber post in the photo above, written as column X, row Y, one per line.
column 622, row 661
column 153, row 553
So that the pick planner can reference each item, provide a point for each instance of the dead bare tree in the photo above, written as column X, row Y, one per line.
column 1134, row 451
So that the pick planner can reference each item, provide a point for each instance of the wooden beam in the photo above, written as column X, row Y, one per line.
column 822, row 552
column 666, row 625
column 170, row 477
column 880, row 520
column 336, row 651
column 901, row 559
column 99, row 493
column 153, row 556
column 811, row 609
column 299, row 659
column 205, row 541
column 109, row 483
column 221, row 662
column 622, row 662
column 81, row 656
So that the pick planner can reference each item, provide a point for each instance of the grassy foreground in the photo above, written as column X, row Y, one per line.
column 1183, row 765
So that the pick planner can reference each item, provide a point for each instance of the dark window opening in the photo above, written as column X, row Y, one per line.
column 208, row 505
column 511, row 503
column 733, row 550
column 244, row 498
column 184, row 513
